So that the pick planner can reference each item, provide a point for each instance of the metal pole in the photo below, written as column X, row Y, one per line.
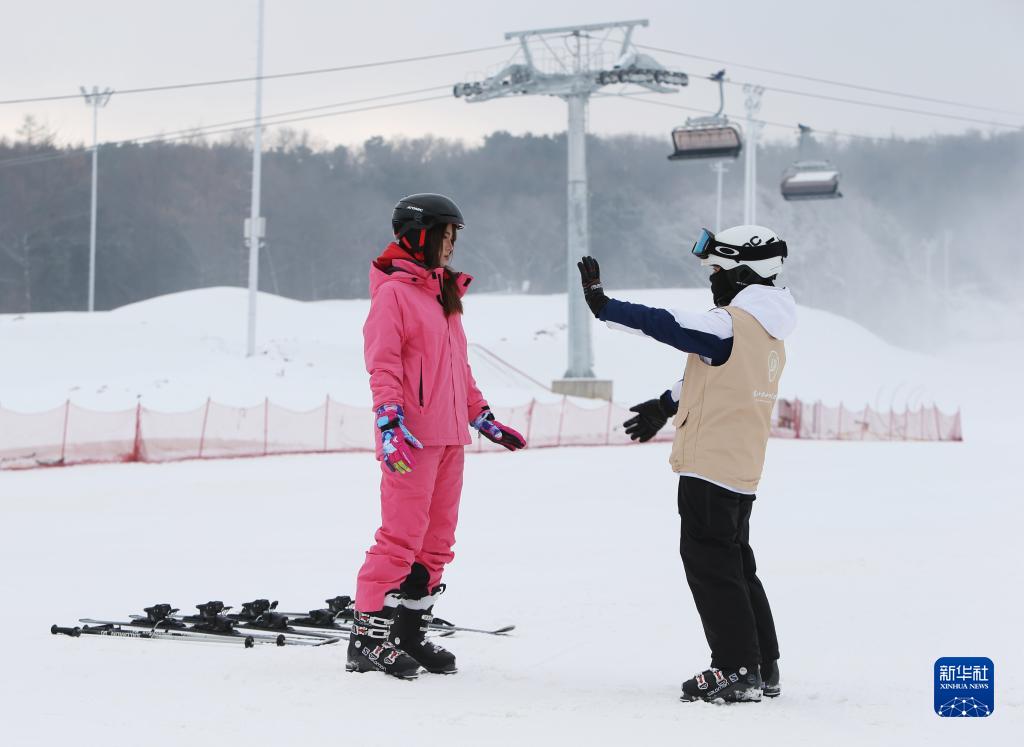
column 719, row 168
column 753, row 171
column 96, row 99
column 92, row 208
column 746, row 173
column 580, row 356
column 753, row 104
column 255, row 229
column 947, row 238
column 747, row 167
column 929, row 245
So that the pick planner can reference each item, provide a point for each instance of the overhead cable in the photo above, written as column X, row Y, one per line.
column 275, row 76
column 211, row 130
column 735, row 118
column 250, row 121
column 889, row 107
column 826, row 81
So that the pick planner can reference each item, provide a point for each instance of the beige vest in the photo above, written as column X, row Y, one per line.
column 725, row 412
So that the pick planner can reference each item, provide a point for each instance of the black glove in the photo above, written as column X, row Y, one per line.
column 590, row 274
column 650, row 418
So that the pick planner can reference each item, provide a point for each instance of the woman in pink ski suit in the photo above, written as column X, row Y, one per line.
column 424, row 397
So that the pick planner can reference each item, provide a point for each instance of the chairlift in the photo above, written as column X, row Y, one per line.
column 708, row 137
column 810, row 180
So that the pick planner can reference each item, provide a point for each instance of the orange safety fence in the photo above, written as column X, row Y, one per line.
column 75, row 435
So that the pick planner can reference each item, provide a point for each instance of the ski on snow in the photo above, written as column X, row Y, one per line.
column 258, row 622
column 129, row 630
column 160, row 623
column 257, row 617
column 341, row 608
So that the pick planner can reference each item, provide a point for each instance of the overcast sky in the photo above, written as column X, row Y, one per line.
column 968, row 52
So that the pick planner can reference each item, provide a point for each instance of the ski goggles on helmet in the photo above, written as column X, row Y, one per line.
column 707, row 245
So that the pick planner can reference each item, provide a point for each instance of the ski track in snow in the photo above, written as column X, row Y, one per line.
column 878, row 558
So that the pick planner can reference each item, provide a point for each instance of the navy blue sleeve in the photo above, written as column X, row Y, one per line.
column 663, row 327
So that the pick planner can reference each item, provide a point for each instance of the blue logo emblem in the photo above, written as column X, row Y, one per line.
column 964, row 686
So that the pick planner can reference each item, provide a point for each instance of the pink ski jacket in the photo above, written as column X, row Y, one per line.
column 417, row 357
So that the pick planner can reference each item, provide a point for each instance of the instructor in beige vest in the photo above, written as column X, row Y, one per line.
column 721, row 410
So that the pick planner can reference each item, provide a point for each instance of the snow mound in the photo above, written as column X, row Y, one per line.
column 175, row 351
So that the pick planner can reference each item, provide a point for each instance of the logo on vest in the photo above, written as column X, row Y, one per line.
column 766, row 397
column 773, row 367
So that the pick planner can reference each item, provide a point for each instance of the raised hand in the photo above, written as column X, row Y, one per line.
column 593, row 292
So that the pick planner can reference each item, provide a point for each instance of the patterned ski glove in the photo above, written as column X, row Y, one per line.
column 494, row 431
column 593, row 292
column 395, row 439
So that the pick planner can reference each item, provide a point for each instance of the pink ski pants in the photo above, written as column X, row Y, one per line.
column 419, row 511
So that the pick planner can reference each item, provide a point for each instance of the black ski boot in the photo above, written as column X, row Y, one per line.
column 369, row 647
column 770, row 676
column 409, row 633
column 730, row 686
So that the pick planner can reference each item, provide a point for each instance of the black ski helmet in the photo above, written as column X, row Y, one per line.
column 416, row 214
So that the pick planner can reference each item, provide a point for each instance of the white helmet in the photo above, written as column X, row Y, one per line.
column 756, row 247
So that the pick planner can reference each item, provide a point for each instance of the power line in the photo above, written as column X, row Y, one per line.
column 246, row 124
column 23, row 160
column 226, row 81
column 739, row 117
column 298, row 119
column 888, row 107
column 872, row 104
column 191, row 131
column 833, row 82
column 216, row 130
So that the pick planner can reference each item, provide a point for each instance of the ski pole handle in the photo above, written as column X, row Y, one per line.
column 73, row 632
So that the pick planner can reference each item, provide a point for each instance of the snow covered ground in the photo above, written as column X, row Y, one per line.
column 175, row 351
column 879, row 558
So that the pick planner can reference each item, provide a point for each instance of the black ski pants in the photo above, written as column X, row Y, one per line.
column 714, row 543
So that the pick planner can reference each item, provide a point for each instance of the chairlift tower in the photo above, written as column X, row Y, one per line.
column 573, row 75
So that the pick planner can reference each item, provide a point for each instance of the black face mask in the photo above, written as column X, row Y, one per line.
column 725, row 284
column 722, row 288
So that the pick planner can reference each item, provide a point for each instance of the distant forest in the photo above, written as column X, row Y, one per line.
column 922, row 221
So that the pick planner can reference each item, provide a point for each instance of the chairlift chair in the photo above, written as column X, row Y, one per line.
column 708, row 137
column 810, row 180
column 699, row 139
